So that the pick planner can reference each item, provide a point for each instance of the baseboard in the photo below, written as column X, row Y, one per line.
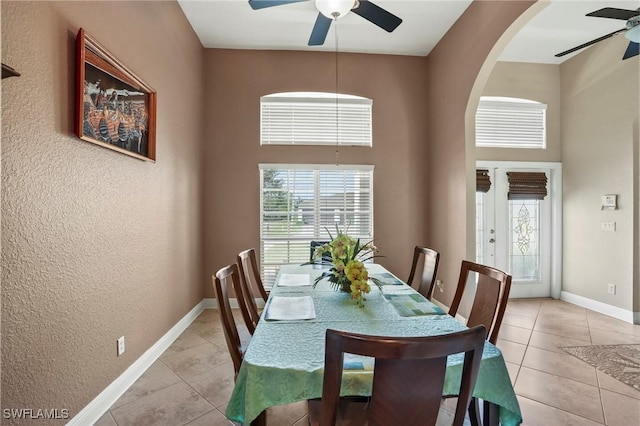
column 96, row 408
column 603, row 308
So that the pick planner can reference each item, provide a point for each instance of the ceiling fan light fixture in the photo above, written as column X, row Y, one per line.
column 335, row 9
column 633, row 34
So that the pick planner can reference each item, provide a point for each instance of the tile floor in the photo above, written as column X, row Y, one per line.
column 191, row 382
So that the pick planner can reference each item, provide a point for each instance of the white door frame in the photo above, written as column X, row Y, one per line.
column 555, row 190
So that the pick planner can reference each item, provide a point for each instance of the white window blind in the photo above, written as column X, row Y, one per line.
column 297, row 202
column 311, row 118
column 510, row 123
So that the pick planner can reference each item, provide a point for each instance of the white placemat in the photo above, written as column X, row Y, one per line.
column 294, row 280
column 290, row 308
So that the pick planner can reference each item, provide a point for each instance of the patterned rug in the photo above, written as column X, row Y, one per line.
column 619, row 361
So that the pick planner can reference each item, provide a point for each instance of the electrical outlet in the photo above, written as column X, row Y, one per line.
column 608, row 226
column 121, row 346
column 612, row 288
column 440, row 285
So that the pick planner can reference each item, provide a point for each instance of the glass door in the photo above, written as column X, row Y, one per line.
column 516, row 235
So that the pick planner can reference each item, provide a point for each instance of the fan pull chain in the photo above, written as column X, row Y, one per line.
column 335, row 24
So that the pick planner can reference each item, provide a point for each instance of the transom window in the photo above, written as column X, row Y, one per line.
column 298, row 202
column 510, row 123
column 315, row 118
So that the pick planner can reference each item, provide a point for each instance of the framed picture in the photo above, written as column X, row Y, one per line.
column 114, row 108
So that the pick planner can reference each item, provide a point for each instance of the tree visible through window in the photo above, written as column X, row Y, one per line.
column 298, row 203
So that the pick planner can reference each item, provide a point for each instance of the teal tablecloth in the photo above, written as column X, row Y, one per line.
column 284, row 361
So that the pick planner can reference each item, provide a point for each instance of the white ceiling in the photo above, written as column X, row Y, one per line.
column 234, row 24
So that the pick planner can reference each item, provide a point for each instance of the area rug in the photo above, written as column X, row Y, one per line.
column 622, row 362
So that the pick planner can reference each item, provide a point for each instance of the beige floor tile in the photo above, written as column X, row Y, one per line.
column 565, row 394
column 106, row 420
column 525, row 307
column 612, row 337
column 513, row 370
column 212, row 418
column 302, row 422
column 171, row 406
column 286, row 415
column 609, row 383
column 537, row 414
column 196, row 360
column 561, row 329
column 157, row 377
column 515, row 334
column 604, row 322
column 517, row 320
column 620, row 410
column 187, row 340
column 511, row 352
column 553, row 342
column 576, row 320
column 563, row 365
column 215, row 384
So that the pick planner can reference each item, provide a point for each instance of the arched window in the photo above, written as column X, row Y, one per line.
column 510, row 123
column 315, row 118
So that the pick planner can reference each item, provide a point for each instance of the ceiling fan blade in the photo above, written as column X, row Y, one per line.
column 614, row 13
column 632, row 50
column 377, row 15
column 589, row 43
column 320, row 30
column 262, row 4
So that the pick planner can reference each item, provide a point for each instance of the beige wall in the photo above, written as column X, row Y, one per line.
column 538, row 82
column 95, row 244
column 235, row 81
column 599, row 112
column 456, row 75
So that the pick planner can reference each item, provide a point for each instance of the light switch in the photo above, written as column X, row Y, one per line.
column 608, row 226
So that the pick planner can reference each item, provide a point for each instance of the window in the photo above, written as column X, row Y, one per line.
column 510, row 123
column 297, row 202
column 310, row 118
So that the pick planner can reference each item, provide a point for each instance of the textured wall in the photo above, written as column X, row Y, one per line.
column 599, row 127
column 95, row 244
column 235, row 81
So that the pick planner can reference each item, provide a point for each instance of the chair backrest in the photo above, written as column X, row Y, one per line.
column 249, row 308
column 222, row 280
column 250, row 271
column 429, row 270
column 408, row 376
column 490, row 301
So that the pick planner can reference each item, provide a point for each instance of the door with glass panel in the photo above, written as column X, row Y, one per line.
column 514, row 227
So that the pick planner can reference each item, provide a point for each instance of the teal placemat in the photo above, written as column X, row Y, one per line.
column 387, row 279
column 410, row 305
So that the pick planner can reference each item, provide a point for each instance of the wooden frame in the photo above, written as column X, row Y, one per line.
column 114, row 108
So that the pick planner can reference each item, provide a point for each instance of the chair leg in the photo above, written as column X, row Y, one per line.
column 261, row 420
column 490, row 413
column 474, row 412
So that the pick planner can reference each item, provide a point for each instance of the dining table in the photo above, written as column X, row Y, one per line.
column 284, row 360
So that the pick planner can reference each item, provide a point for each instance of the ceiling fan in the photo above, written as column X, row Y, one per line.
column 631, row 30
column 330, row 10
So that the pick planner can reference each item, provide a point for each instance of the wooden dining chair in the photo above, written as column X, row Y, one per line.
column 224, row 279
column 249, row 266
column 246, row 260
column 490, row 301
column 487, row 309
column 429, row 270
column 408, row 376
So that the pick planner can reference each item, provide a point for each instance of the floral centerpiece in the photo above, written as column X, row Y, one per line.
column 347, row 272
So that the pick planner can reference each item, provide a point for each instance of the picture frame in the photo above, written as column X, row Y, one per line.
column 114, row 108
